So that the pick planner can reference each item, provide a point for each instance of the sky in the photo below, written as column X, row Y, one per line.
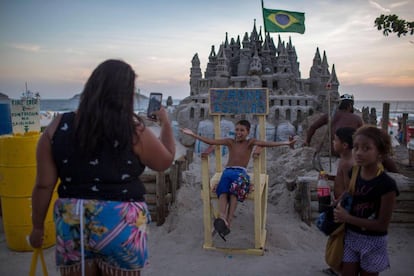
column 54, row 45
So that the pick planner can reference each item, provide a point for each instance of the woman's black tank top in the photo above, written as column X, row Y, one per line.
column 105, row 176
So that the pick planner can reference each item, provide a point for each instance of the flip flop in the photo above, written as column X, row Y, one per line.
column 329, row 271
column 221, row 228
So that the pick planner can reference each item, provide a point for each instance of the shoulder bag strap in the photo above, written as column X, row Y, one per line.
column 355, row 171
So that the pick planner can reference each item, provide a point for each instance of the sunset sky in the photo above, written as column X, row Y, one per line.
column 55, row 45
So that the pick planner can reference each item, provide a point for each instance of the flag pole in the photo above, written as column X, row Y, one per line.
column 329, row 131
column 264, row 24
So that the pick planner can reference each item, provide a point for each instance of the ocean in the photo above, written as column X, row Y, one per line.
column 397, row 108
column 64, row 105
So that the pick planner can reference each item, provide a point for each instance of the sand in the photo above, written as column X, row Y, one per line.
column 292, row 247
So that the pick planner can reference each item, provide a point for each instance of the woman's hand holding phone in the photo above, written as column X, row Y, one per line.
column 154, row 104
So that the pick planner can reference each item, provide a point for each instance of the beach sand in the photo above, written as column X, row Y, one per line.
column 292, row 247
column 176, row 248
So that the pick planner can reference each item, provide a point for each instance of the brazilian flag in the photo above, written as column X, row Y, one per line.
column 276, row 21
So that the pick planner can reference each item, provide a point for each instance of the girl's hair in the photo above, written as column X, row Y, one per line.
column 244, row 123
column 345, row 135
column 106, row 108
column 381, row 139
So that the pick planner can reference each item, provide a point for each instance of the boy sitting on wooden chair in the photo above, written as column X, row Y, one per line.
column 234, row 184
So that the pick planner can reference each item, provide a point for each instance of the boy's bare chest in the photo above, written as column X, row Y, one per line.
column 241, row 148
column 243, row 145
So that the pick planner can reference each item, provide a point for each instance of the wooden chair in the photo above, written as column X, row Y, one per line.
column 259, row 179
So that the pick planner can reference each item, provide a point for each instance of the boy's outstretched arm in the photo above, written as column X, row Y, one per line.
column 206, row 140
column 289, row 143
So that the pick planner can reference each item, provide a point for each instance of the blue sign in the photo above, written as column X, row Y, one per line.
column 239, row 101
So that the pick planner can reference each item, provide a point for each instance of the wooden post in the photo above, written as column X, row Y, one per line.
column 174, row 171
column 217, row 135
column 385, row 116
column 258, row 219
column 189, row 157
column 404, row 128
column 181, row 163
column 160, row 196
column 262, row 132
column 304, row 193
column 205, row 182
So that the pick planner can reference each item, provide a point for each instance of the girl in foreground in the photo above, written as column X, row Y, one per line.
column 365, row 248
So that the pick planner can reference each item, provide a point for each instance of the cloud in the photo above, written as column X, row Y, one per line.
column 379, row 7
column 73, row 51
column 26, row 47
column 399, row 4
column 398, row 81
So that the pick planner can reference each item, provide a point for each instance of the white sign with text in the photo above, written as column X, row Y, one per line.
column 25, row 115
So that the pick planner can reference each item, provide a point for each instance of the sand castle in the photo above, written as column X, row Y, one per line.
column 256, row 62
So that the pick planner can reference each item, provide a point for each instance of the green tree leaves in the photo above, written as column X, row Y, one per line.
column 392, row 24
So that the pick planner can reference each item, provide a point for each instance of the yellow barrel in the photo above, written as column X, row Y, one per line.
column 17, row 178
column 17, row 222
column 17, row 164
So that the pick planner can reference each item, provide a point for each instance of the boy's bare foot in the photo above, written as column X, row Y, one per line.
column 226, row 221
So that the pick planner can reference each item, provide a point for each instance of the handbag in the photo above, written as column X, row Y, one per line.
column 325, row 221
column 334, row 250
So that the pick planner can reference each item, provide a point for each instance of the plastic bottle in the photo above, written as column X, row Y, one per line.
column 324, row 192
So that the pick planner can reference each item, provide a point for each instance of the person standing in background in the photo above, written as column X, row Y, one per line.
column 343, row 144
column 345, row 117
column 97, row 155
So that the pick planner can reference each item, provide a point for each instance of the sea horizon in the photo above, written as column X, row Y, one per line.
column 396, row 107
column 62, row 104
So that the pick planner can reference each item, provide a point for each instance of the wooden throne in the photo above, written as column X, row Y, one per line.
column 237, row 102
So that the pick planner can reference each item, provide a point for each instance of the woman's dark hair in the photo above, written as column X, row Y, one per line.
column 381, row 139
column 345, row 135
column 106, row 108
column 244, row 123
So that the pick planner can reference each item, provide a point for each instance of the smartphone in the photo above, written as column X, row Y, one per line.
column 154, row 104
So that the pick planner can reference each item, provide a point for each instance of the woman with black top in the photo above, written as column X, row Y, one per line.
column 97, row 155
